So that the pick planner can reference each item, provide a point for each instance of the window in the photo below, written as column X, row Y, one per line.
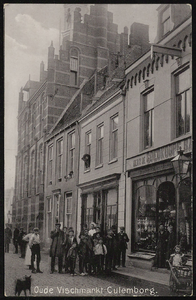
column 32, row 176
column 25, row 176
column 68, row 209
column 114, row 138
column 183, row 103
column 71, row 152
column 50, row 159
column 33, row 120
column 166, row 21
column 87, row 149
column 148, row 119
column 40, row 167
column 49, row 205
column 74, row 67
column 100, row 135
column 59, row 159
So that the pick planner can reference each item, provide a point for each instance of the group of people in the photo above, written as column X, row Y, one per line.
column 29, row 247
column 96, row 253
column 166, row 245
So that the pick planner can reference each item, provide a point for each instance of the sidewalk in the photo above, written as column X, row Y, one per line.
column 156, row 276
column 153, row 276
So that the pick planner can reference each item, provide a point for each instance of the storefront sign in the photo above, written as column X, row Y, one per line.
column 160, row 154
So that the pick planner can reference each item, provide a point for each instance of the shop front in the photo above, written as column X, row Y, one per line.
column 99, row 200
column 159, row 196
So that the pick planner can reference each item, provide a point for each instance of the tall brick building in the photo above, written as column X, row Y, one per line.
column 90, row 44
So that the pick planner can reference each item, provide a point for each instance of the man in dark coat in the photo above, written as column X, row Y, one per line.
column 15, row 239
column 7, row 237
column 56, row 248
column 22, row 243
column 123, row 240
column 115, row 247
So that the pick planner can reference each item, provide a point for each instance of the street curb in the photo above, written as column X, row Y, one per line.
column 157, row 281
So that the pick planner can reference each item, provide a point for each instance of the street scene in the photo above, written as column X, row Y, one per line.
column 98, row 150
column 62, row 285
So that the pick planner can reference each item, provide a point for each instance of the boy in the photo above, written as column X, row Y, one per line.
column 99, row 251
column 71, row 255
column 34, row 245
column 71, row 239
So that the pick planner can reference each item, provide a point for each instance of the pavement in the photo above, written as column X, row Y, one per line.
column 123, row 282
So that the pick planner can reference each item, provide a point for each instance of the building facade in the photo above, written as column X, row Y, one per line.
column 158, row 124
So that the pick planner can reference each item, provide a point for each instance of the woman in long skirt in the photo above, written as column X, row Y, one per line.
column 26, row 238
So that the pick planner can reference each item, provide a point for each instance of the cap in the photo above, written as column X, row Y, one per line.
column 71, row 230
column 113, row 226
column 58, row 224
column 122, row 228
column 36, row 229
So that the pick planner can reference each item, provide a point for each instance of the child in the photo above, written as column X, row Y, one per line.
column 177, row 259
column 71, row 255
column 83, row 253
column 34, row 244
column 99, row 252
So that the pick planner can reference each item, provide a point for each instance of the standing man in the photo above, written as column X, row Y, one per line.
column 123, row 240
column 7, row 237
column 15, row 239
column 115, row 247
column 34, row 245
column 22, row 243
column 56, row 248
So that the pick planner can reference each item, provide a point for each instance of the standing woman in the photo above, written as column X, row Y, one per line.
column 159, row 261
column 26, row 238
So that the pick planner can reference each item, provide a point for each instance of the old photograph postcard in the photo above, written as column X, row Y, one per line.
column 98, row 150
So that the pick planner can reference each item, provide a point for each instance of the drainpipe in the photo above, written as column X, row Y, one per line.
column 77, row 179
column 124, row 149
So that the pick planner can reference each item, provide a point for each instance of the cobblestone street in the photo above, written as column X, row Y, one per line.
column 47, row 284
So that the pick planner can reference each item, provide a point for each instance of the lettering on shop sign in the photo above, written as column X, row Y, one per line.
column 160, row 154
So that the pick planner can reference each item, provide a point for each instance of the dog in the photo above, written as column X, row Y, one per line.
column 23, row 285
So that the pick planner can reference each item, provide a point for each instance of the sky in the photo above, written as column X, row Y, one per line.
column 29, row 30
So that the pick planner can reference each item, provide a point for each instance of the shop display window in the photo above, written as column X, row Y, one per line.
column 145, row 218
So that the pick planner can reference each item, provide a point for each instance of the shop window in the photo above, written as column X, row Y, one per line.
column 50, row 160
column 148, row 119
column 183, row 102
column 145, row 218
column 166, row 21
column 59, row 159
column 100, row 136
column 71, row 152
column 114, row 137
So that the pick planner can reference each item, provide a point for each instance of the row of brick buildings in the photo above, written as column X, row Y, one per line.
column 97, row 134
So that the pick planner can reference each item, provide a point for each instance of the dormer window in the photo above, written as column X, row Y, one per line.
column 166, row 21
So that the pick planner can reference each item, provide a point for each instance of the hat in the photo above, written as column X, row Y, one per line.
column 71, row 230
column 58, row 224
column 36, row 229
column 122, row 228
column 113, row 226
column 92, row 223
